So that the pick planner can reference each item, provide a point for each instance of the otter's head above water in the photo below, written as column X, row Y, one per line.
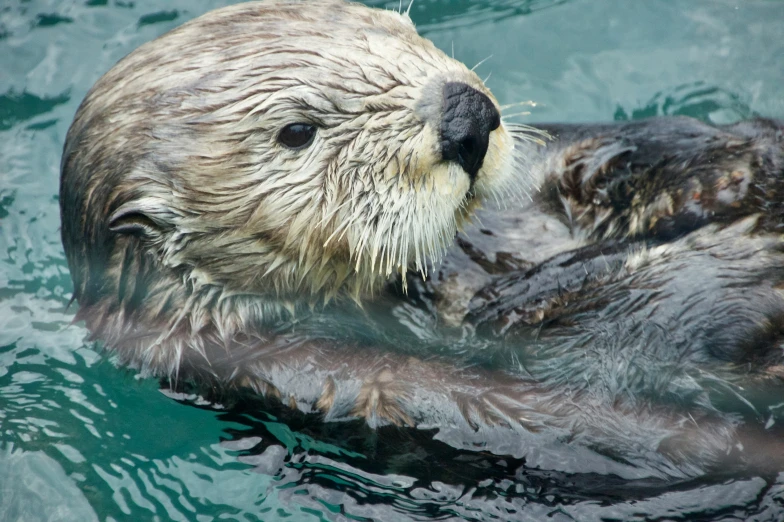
column 267, row 155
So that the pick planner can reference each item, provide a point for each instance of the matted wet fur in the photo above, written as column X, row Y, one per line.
column 626, row 299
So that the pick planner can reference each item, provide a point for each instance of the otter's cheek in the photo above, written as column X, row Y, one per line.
column 498, row 166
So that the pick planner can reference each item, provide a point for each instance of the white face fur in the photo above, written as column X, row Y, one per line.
column 225, row 201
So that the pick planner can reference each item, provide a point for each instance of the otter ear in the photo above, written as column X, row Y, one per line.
column 139, row 218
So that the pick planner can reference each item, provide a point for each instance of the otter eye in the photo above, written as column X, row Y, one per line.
column 297, row 135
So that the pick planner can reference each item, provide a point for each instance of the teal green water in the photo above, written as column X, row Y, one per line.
column 81, row 439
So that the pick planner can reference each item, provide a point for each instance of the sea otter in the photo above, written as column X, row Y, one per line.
column 268, row 199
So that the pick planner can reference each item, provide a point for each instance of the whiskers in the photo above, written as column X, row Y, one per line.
column 410, row 225
column 528, row 133
column 518, row 174
column 407, row 12
column 480, row 62
column 528, row 103
column 406, row 235
column 507, row 117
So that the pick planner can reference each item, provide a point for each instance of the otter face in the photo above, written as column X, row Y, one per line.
column 280, row 148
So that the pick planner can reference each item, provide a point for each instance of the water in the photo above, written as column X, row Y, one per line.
column 81, row 439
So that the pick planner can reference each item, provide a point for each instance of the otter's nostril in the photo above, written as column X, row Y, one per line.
column 469, row 145
column 467, row 151
column 469, row 117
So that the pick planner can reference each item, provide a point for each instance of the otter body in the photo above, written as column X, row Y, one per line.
column 250, row 204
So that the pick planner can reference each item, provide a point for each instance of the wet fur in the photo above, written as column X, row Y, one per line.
column 631, row 304
column 185, row 222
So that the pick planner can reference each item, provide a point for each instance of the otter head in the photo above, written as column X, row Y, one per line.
column 272, row 153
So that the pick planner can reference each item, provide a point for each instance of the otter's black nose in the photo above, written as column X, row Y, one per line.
column 469, row 118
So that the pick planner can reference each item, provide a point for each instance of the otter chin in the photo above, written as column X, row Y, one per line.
column 276, row 198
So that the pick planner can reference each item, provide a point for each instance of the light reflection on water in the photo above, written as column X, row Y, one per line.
column 81, row 439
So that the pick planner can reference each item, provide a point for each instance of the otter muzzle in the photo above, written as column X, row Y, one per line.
column 469, row 117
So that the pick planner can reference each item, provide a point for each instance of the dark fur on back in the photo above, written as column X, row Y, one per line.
column 659, row 292
column 665, row 177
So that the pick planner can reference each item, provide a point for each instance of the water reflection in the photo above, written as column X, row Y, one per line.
column 345, row 469
column 16, row 107
column 697, row 100
column 50, row 496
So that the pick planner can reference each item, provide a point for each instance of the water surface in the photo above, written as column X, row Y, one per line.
column 81, row 439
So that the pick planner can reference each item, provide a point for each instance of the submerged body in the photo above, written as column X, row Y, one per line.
column 626, row 298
